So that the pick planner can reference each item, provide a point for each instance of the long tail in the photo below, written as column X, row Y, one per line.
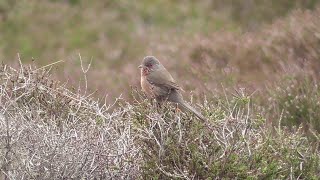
column 186, row 107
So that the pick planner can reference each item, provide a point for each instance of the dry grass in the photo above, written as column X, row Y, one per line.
column 50, row 132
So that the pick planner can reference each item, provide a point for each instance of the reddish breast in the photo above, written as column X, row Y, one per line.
column 146, row 87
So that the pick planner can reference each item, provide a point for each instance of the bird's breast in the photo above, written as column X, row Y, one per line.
column 146, row 87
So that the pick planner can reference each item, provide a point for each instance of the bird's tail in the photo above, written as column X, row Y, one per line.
column 186, row 107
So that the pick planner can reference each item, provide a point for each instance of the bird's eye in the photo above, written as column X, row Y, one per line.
column 149, row 65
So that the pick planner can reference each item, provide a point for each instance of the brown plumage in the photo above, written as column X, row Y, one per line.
column 158, row 83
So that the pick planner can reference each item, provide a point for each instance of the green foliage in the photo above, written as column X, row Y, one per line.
column 180, row 146
column 47, row 21
column 298, row 100
column 252, row 13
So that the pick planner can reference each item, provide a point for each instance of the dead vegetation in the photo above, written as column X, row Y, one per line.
column 50, row 132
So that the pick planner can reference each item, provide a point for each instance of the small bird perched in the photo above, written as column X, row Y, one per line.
column 158, row 83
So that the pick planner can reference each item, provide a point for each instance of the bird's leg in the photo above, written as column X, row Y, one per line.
column 159, row 107
column 177, row 109
column 159, row 103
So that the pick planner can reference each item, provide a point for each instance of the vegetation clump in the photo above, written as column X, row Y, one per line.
column 51, row 132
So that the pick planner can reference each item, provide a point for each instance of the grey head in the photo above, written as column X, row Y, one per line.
column 150, row 62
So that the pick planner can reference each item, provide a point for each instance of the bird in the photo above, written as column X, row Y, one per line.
column 157, row 83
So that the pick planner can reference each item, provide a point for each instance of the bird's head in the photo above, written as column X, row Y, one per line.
column 150, row 63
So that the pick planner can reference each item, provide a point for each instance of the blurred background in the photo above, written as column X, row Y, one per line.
column 206, row 45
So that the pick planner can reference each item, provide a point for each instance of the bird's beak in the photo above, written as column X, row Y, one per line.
column 141, row 66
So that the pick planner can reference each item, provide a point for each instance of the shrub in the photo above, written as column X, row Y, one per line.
column 235, row 144
column 50, row 132
column 296, row 100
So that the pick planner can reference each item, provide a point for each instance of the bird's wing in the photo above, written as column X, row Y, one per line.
column 162, row 78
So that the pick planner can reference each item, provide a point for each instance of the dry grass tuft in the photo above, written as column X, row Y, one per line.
column 50, row 132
